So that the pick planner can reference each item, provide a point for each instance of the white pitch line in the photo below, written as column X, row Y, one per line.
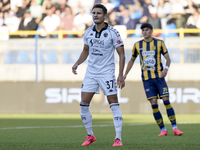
column 81, row 126
column 74, row 126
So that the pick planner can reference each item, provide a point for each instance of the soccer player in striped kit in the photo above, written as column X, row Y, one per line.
column 149, row 50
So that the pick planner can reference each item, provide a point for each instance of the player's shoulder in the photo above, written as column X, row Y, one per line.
column 156, row 39
column 139, row 41
column 88, row 30
column 113, row 30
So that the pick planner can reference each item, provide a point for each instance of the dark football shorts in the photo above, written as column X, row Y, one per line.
column 156, row 88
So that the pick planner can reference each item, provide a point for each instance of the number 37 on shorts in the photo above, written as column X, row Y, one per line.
column 108, row 85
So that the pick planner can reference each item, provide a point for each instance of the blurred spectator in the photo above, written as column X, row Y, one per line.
column 21, row 10
column 127, row 21
column 163, row 12
column 67, row 20
column 27, row 23
column 113, row 19
column 126, row 3
column 154, row 20
column 177, row 12
column 136, row 10
column 15, row 4
column 108, row 5
column 63, row 5
column 12, row 22
column 82, row 21
column 1, row 18
column 58, row 11
column 194, row 20
column 50, row 23
column 146, row 13
column 76, row 5
column 46, row 4
column 87, row 5
column 5, row 6
column 36, row 10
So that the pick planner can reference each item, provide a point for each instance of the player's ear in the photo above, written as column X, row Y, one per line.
column 105, row 15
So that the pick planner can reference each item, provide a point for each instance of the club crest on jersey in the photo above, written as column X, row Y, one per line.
column 105, row 34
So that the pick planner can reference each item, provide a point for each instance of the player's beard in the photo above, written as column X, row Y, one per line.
column 99, row 22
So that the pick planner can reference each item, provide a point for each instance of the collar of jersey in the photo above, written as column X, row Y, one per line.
column 148, row 41
column 94, row 29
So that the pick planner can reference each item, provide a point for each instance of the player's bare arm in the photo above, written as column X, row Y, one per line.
column 168, row 62
column 129, row 66
column 81, row 59
column 120, row 79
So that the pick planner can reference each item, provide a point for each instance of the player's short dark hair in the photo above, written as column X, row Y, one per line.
column 146, row 25
column 100, row 6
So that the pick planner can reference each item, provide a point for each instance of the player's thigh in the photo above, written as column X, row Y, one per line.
column 108, row 85
column 162, row 88
column 90, row 85
column 86, row 97
column 150, row 89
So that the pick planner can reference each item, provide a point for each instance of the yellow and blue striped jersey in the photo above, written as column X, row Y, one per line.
column 150, row 57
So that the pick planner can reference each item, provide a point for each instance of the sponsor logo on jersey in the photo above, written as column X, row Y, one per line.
column 118, row 41
column 97, row 52
column 147, row 53
column 149, row 63
column 97, row 43
column 110, row 90
column 141, row 48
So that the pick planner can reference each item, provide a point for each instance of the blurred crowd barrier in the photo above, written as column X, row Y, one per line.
column 55, row 58
column 181, row 32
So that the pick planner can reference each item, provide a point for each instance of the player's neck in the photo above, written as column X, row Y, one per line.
column 148, row 39
column 100, row 26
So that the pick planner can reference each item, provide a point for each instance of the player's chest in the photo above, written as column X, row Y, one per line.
column 99, row 40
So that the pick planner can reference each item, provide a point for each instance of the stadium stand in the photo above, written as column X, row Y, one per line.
column 123, row 14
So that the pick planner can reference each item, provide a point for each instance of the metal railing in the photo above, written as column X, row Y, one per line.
column 60, row 33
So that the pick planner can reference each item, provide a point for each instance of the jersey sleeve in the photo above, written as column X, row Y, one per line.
column 163, row 48
column 117, row 41
column 85, row 37
column 134, row 51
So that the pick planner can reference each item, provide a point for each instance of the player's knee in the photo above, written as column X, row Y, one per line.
column 165, row 98
column 116, row 111
column 153, row 101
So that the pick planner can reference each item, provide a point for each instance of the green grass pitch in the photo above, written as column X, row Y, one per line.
column 66, row 132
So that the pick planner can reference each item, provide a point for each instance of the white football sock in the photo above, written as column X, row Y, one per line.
column 117, row 119
column 86, row 117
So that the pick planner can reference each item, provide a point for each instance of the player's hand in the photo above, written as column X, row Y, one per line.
column 124, row 76
column 164, row 73
column 74, row 67
column 120, row 82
